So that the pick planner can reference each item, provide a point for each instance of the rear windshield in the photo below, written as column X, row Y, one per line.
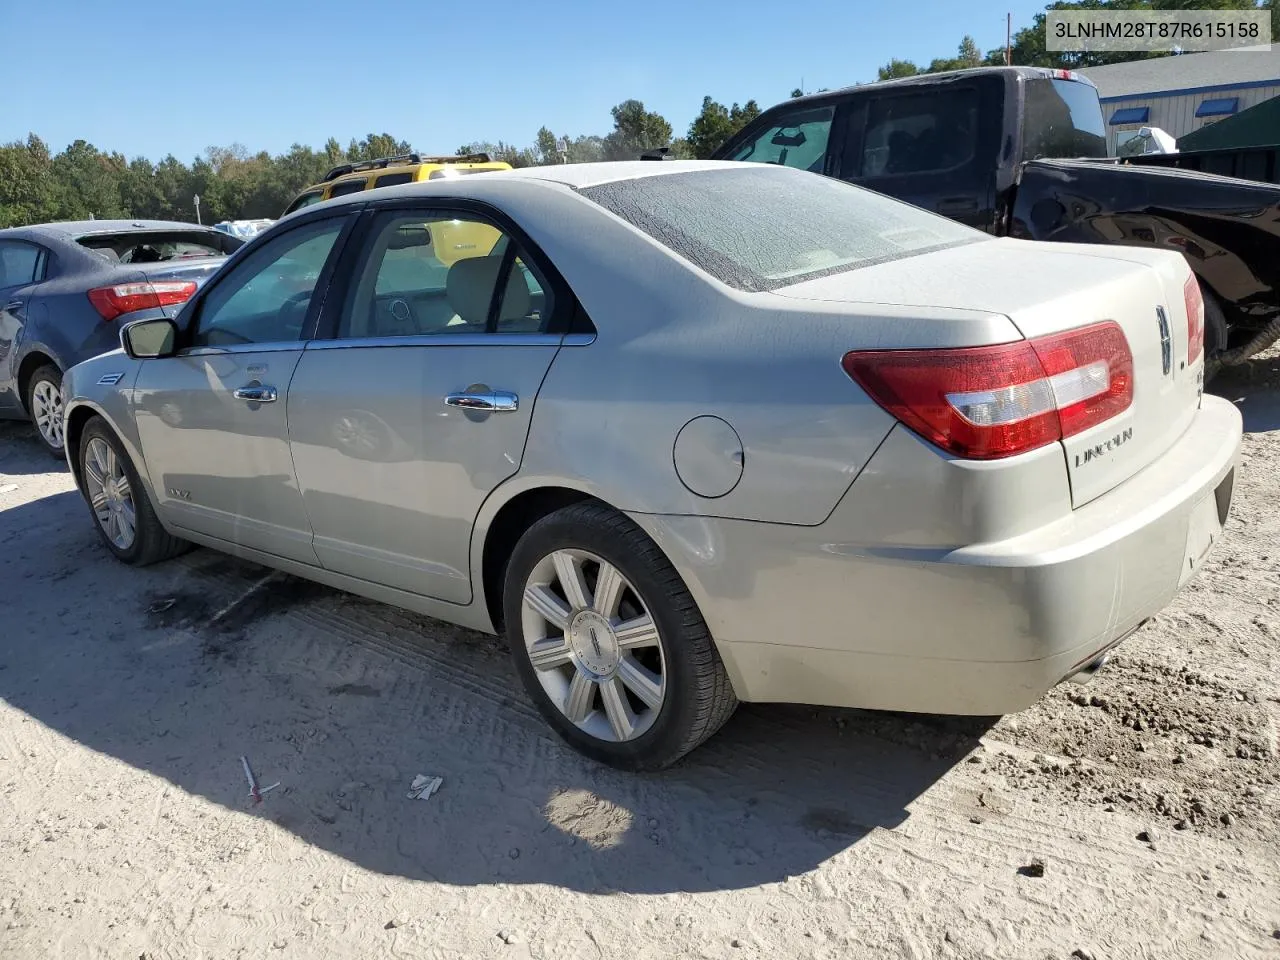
column 1062, row 118
column 767, row 227
column 140, row 246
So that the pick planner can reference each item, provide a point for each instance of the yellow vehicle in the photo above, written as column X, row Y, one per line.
column 450, row 241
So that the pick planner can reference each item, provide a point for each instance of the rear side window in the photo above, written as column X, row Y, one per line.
column 1062, row 118
column 160, row 246
column 393, row 179
column 759, row 229
column 20, row 263
column 346, row 187
column 920, row 133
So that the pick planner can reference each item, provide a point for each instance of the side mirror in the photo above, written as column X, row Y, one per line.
column 148, row 339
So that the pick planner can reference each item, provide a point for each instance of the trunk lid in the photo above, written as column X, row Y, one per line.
column 198, row 269
column 1046, row 288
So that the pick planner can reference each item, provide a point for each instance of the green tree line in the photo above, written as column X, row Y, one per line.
column 82, row 181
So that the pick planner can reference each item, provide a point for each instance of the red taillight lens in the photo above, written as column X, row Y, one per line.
column 113, row 301
column 984, row 403
column 1194, row 300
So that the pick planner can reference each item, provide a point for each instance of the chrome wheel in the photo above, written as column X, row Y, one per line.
column 593, row 645
column 110, row 493
column 46, row 411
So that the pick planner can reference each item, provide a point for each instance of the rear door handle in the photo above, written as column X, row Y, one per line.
column 498, row 401
column 256, row 393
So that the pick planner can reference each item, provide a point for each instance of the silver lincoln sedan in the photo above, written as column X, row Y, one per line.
column 688, row 433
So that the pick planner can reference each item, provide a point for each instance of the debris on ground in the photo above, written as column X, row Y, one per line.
column 424, row 786
column 255, row 793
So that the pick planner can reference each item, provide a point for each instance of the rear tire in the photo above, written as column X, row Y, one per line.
column 44, row 406
column 118, row 502
column 628, row 674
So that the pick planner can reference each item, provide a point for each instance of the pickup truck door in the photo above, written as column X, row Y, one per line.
column 935, row 148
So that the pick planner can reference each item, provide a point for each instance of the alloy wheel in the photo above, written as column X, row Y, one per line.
column 593, row 645
column 46, row 411
column 110, row 493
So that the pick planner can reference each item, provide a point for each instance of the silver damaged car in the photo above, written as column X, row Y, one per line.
column 688, row 433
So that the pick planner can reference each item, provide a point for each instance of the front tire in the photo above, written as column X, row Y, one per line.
column 609, row 643
column 118, row 501
column 44, row 404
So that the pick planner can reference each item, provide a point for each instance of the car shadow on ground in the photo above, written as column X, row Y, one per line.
column 1254, row 387
column 344, row 701
column 22, row 453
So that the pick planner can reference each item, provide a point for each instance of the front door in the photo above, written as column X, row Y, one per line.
column 419, row 405
column 213, row 420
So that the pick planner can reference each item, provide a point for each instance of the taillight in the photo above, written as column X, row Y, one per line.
column 121, row 298
column 984, row 403
column 1194, row 301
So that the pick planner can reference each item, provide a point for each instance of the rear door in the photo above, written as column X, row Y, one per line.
column 418, row 405
column 934, row 147
column 22, row 267
column 213, row 420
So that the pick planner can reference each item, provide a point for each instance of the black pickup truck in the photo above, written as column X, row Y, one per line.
column 1021, row 151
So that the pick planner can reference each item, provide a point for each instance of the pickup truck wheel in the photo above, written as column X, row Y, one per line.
column 1215, row 330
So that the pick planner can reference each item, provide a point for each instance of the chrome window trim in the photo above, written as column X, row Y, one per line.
column 273, row 346
column 458, row 340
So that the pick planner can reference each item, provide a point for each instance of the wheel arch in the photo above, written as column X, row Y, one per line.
column 502, row 524
column 36, row 358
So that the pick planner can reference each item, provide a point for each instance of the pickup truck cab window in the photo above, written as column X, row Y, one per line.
column 919, row 133
column 793, row 140
column 1061, row 118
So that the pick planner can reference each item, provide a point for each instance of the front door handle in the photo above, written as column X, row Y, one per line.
column 256, row 393
column 497, row 401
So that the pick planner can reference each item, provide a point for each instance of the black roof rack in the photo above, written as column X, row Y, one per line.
column 355, row 166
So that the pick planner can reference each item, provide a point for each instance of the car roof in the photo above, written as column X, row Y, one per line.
column 571, row 175
column 85, row 228
column 929, row 79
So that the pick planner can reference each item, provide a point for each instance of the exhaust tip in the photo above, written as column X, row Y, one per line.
column 1088, row 671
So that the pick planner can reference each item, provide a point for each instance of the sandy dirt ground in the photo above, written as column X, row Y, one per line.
column 1135, row 817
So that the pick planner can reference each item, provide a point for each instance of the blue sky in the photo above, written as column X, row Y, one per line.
column 148, row 78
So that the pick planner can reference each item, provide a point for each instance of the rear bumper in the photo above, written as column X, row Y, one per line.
column 817, row 615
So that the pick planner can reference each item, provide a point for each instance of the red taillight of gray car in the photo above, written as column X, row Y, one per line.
column 123, row 298
column 1194, row 300
column 985, row 403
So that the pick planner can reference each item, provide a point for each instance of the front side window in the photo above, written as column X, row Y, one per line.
column 760, row 229
column 266, row 297
column 796, row 140
column 920, row 133
column 427, row 275
column 20, row 263
column 306, row 200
